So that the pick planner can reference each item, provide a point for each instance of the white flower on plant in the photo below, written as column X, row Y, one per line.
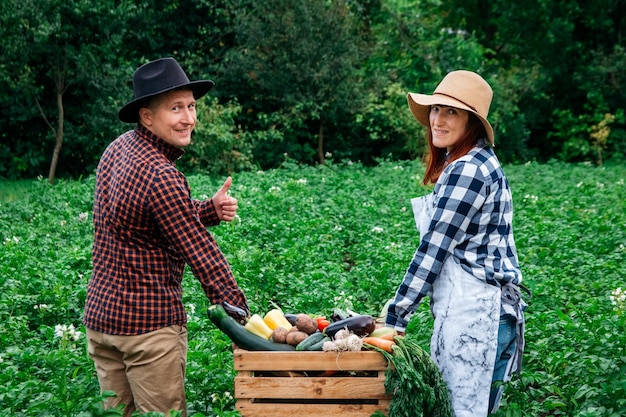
column 618, row 296
column 618, row 299
column 13, row 239
column 274, row 189
column 63, row 331
column 532, row 198
column 580, row 184
column 83, row 216
column 328, row 155
column 377, row 229
column 191, row 310
column 398, row 168
column 41, row 307
column 620, row 181
column 63, row 223
column 228, row 395
column 600, row 185
column 301, row 181
column 392, row 246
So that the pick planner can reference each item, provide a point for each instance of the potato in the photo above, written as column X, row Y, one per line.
column 306, row 323
column 279, row 335
column 295, row 337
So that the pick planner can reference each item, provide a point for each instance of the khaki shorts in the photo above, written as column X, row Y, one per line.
column 147, row 372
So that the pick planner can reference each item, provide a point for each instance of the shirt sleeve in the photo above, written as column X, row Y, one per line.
column 459, row 195
column 180, row 222
column 206, row 212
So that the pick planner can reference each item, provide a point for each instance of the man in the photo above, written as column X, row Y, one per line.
column 146, row 228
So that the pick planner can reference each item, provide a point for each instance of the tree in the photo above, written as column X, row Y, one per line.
column 300, row 61
column 55, row 46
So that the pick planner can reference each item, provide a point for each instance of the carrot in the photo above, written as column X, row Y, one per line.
column 379, row 342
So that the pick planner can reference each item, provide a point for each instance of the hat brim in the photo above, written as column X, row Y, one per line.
column 130, row 112
column 420, row 107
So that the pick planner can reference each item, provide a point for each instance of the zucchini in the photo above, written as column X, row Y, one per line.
column 361, row 325
column 311, row 340
column 239, row 335
column 320, row 344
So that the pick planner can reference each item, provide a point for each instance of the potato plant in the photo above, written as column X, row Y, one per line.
column 309, row 239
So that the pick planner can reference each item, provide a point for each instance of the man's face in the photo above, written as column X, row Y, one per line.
column 172, row 117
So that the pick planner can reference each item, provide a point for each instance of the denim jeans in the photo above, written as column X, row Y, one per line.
column 506, row 347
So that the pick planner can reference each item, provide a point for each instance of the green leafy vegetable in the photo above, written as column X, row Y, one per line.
column 416, row 383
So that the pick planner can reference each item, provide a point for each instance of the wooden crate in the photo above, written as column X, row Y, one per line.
column 310, row 384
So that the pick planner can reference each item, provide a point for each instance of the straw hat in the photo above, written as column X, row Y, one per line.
column 157, row 77
column 461, row 89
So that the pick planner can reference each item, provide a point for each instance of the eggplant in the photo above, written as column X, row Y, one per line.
column 361, row 325
column 291, row 318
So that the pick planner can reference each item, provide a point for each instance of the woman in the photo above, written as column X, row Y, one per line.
column 466, row 261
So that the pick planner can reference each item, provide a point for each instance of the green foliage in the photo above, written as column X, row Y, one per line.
column 301, row 58
column 313, row 77
column 218, row 146
column 309, row 239
column 589, row 136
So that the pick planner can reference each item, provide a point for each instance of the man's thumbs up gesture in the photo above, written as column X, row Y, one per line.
column 225, row 205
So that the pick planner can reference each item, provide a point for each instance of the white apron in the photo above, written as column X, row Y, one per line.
column 465, row 335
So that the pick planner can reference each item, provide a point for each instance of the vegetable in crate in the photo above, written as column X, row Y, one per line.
column 322, row 323
column 361, row 325
column 279, row 335
column 257, row 326
column 306, row 323
column 313, row 342
column 239, row 335
column 344, row 341
column 295, row 336
column 275, row 318
column 416, row 383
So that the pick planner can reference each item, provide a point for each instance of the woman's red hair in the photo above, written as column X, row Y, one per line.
column 436, row 157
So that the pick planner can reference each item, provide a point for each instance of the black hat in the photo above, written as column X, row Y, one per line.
column 158, row 77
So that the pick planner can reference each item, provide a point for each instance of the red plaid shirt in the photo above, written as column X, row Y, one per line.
column 146, row 228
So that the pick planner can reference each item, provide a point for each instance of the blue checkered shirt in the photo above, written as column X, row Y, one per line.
column 472, row 221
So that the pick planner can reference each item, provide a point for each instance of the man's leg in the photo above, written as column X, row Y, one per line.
column 155, row 367
column 111, row 371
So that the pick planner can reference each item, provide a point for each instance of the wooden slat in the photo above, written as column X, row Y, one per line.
column 251, row 409
column 310, row 384
column 308, row 361
column 310, row 388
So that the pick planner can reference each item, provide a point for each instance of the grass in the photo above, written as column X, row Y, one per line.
column 309, row 239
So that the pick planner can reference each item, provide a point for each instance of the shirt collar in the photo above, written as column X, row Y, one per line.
column 171, row 152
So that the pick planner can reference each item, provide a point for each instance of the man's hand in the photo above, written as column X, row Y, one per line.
column 225, row 205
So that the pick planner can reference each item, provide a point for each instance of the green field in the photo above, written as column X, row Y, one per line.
column 309, row 239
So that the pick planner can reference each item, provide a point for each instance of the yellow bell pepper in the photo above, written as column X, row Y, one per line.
column 275, row 318
column 257, row 326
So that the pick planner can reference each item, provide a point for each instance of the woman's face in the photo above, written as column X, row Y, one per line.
column 447, row 125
